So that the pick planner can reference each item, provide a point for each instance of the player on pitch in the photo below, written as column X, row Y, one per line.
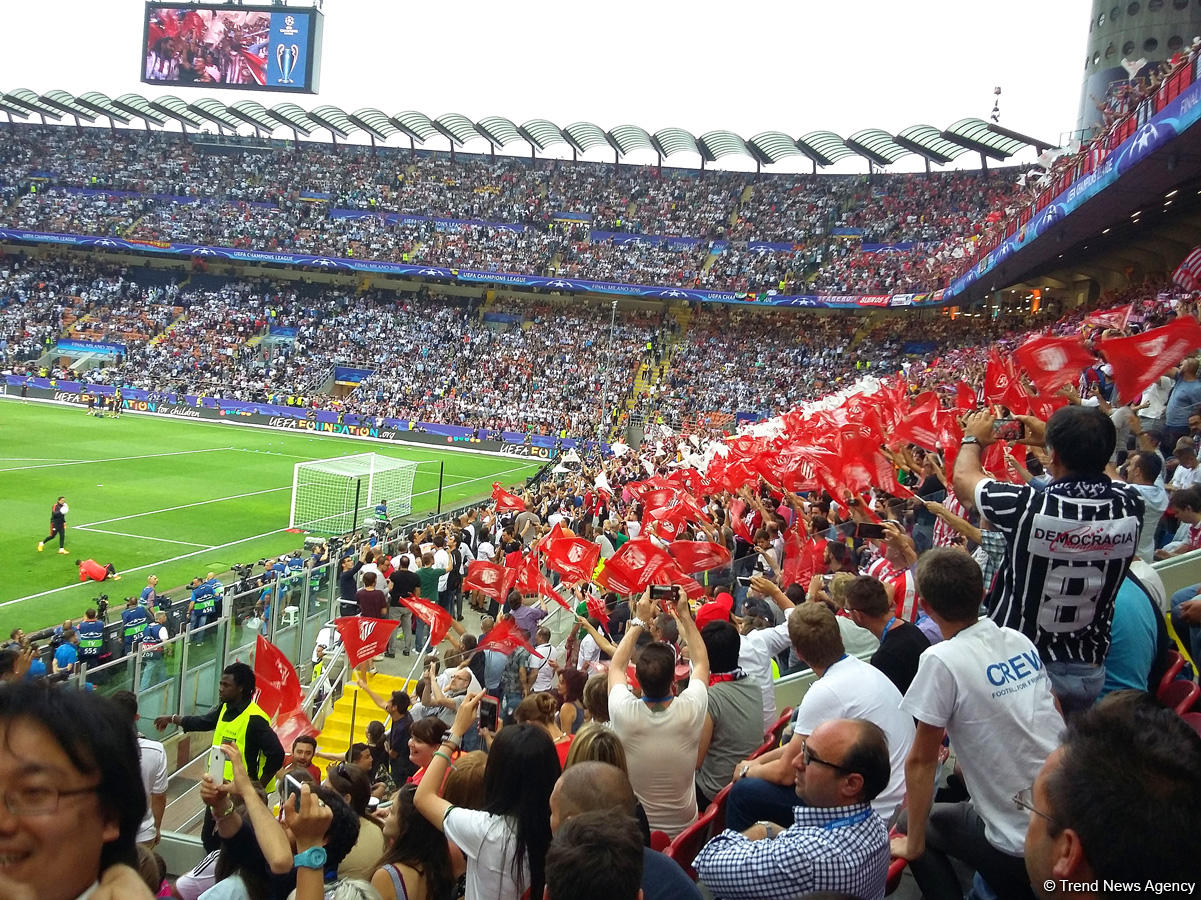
column 58, row 525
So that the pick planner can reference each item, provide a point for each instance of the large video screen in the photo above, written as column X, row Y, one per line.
column 219, row 46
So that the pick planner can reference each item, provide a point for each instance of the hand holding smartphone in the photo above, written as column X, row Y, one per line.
column 489, row 713
column 217, row 763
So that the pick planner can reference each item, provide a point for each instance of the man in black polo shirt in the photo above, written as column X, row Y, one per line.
column 901, row 643
column 1067, row 547
column 402, row 583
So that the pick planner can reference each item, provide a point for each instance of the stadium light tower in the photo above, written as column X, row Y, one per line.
column 1126, row 40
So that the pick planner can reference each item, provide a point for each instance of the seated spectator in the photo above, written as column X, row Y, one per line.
column 1130, row 817
column 593, row 785
column 732, row 729
column 986, row 689
column 425, row 735
column 416, row 864
column 1137, row 636
column 506, row 842
column 354, row 785
column 846, row 687
column 901, row 644
column 836, row 842
column 70, row 779
column 595, row 856
column 660, row 726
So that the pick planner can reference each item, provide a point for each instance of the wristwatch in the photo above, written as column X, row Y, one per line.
column 637, row 621
column 969, row 439
column 743, row 771
column 454, row 741
column 313, row 858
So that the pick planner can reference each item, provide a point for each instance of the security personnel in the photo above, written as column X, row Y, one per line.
column 134, row 620
column 91, row 638
column 202, row 606
column 236, row 720
column 154, row 646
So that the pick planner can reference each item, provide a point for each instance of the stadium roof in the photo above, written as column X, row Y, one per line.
column 823, row 148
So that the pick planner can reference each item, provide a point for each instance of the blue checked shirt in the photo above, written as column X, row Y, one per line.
column 842, row 849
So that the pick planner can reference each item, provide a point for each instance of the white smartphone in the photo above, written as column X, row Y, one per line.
column 291, row 792
column 217, row 763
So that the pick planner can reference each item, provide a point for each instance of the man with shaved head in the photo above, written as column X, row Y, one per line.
column 594, row 786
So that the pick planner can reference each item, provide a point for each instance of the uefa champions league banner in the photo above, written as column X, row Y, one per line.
column 576, row 285
column 1163, row 128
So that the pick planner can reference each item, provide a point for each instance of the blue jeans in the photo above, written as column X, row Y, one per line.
column 154, row 671
column 753, row 799
column 1190, row 635
column 1076, row 685
column 198, row 619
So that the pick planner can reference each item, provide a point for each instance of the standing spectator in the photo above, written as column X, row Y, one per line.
column 1183, row 402
column 348, row 585
column 372, row 602
column 837, row 841
column 304, row 748
column 901, row 643
column 1059, row 580
column 397, row 741
column 986, row 689
column 74, row 796
column 660, row 729
column 152, row 758
column 732, row 729
column 58, row 526
column 402, row 583
column 429, row 576
column 1144, row 474
column 1096, row 815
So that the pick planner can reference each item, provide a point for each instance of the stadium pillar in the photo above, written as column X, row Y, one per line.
column 441, row 470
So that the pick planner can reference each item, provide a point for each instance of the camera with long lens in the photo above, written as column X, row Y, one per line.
column 101, row 603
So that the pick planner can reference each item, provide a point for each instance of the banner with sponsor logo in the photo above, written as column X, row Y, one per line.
column 104, row 348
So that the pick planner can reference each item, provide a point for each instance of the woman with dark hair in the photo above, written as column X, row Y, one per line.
column 417, row 864
column 506, row 842
column 424, row 738
column 353, row 784
column 539, row 709
column 571, row 693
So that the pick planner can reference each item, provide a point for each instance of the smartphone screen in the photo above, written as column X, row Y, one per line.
column 292, row 792
column 667, row 594
column 869, row 531
column 1008, row 429
column 489, row 709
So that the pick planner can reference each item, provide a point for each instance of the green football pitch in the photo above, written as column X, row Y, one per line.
column 173, row 498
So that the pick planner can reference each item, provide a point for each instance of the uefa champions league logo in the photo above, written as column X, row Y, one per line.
column 286, row 57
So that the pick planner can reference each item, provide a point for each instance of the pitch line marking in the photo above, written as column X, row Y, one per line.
column 82, row 462
column 152, row 512
column 143, row 537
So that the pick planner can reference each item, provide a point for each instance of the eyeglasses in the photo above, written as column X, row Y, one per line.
column 808, row 757
column 1024, row 799
column 36, row 801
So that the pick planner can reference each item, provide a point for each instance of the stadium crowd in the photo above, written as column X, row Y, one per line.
column 510, row 215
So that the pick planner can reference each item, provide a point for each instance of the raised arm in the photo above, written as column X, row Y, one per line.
column 682, row 613
column 621, row 657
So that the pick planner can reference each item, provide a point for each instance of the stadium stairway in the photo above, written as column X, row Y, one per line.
column 865, row 329
column 132, row 227
column 354, row 704
column 162, row 335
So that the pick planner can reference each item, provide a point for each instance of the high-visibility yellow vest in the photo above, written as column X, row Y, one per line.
column 234, row 731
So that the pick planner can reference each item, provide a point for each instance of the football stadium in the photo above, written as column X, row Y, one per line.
column 613, row 489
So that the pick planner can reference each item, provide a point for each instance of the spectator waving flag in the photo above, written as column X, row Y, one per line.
column 1188, row 273
column 505, row 637
column 485, row 577
column 276, row 682
column 1140, row 359
column 366, row 638
column 506, row 502
column 698, row 556
column 1111, row 318
column 530, row 580
column 572, row 556
column 1051, row 362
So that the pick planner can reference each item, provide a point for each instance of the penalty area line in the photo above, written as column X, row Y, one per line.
column 143, row 537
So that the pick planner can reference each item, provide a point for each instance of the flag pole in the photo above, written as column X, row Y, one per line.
column 420, row 656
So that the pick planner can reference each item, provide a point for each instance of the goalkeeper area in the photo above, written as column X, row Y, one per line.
column 177, row 499
column 334, row 496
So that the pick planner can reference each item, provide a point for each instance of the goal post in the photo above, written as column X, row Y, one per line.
column 335, row 496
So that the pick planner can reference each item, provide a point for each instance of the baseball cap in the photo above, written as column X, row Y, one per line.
column 716, row 610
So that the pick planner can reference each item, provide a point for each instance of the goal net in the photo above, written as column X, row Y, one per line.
column 334, row 496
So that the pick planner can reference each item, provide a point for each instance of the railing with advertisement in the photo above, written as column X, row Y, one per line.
column 1158, row 120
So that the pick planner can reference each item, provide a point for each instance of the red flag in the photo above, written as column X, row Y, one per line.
column 432, row 615
column 802, row 560
column 1111, row 318
column 1053, row 361
column 737, row 510
column 667, row 521
column 530, row 580
column 918, row 425
column 506, row 502
column 698, row 556
column 485, row 577
column 366, row 638
column 573, row 557
column 596, row 609
column 640, row 560
column 1140, row 359
column 552, row 535
column 965, row 396
column 505, row 637
column 999, row 378
column 618, row 577
column 1188, row 273
column 275, row 679
column 291, row 724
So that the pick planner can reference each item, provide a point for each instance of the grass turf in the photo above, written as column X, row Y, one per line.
column 169, row 497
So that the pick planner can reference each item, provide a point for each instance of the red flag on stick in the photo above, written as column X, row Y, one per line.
column 432, row 615
column 1140, row 359
column 505, row 637
column 698, row 556
column 1111, row 318
column 596, row 609
column 485, row 577
column 1052, row 361
column 366, row 638
column 573, row 557
column 506, row 502
column 530, row 580
column 275, row 679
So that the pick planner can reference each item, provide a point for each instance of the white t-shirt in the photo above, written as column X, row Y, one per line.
column 989, row 689
column 1185, row 478
column 754, row 657
column 661, row 748
column 1156, row 398
column 486, row 840
column 546, row 672
column 1155, row 502
column 853, row 689
column 589, row 653
column 154, row 779
column 442, row 561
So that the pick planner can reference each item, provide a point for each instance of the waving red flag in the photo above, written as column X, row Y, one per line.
column 572, row 557
column 1111, row 318
column 965, row 396
column 672, row 574
column 552, row 535
column 1140, row 359
column 635, row 566
column 738, row 520
column 530, row 580
column 668, row 521
column 505, row 637
column 1053, row 361
column 432, row 615
column 506, row 502
column 275, row 679
column 618, row 577
column 698, row 556
column 802, row 559
column 366, row 638
column 999, row 378
column 918, row 425
column 596, row 609
column 485, row 577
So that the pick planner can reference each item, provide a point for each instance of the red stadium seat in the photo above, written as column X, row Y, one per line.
column 660, row 840
column 896, row 868
column 718, row 809
column 1193, row 719
column 771, row 739
column 1175, row 667
column 1180, row 695
column 688, row 842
